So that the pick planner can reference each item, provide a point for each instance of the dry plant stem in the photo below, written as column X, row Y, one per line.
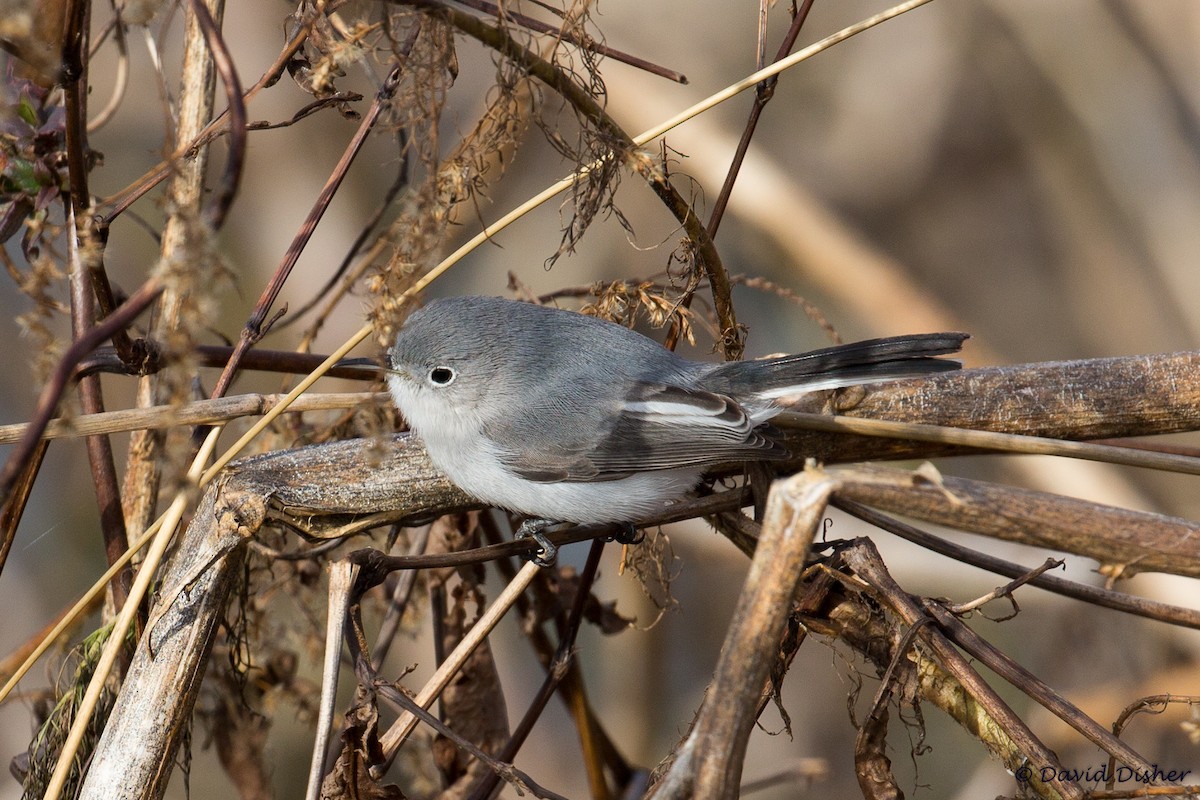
column 1002, row 442
column 99, row 448
column 1153, row 704
column 518, row 779
column 150, row 715
column 1118, row 601
column 708, row 763
column 762, row 95
column 218, row 207
column 375, row 560
column 74, row 84
column 979, row 648
column 1138, row 541
column 1090, row 399
column 339, row 283
column 75, row 103
column 199, row 412
column 597, row 745
column 586, row 105
column 90, row 600
column 566, row 36
column 342, row 576
column 760, row 52
column 598, row 748
column 303, row 386
column 1157, row 447
column 397, row 603
column 872, row 767
column 184, row 198
column 14, row 505
column 651, row 134
column 109, row 360
column 960, row 609
column 598, row 789
column 83, row 246
column 116, row 640
column 52, row 391
column 134, row 756
column 391, row 741
column 254, row 328
column 196, row 144
column 982, row 711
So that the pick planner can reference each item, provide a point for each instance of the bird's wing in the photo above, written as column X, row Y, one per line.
column 656, row 427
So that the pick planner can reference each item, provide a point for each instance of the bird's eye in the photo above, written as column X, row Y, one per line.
column 442, row 376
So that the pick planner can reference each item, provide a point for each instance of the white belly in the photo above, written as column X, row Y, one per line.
column 475, row 469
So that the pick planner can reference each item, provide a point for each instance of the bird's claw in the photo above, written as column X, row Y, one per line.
column 536, row 529
column 628, row 535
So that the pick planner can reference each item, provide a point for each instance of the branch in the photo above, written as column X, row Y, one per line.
column 586, row 105
column 48, row 400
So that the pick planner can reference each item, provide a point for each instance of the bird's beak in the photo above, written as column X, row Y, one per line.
column 372, row 364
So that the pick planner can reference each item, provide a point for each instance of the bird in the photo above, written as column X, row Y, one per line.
column 564, row 417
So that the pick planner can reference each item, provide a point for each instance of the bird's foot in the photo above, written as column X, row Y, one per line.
column 628, row 535
column 536, row 529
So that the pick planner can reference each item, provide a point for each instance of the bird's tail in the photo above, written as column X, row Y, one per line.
column 841, row 365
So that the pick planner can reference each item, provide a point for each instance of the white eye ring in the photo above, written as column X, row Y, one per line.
column 442, row 376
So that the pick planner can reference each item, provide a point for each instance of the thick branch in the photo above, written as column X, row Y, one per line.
column 1077, row 400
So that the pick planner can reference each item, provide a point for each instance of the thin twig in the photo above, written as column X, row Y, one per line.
column 991, row 440
column 554, row 676
column 86, row 235
column 1119, row 601
column 190, row 414
column 1008, row 669
column 398, row 602
column 1005, row 733
column 15, row 504
column 367, row 229
column 253, row 330
column 118, row 203
column 409, row 706
column 91, row 400
column 960, row 609
column 218, row 206
column 762, row 95
column 596, row 47
column 48, row 400
column 1154, row 704
column 108, row 360
column 391, row 741
column 342, row 576
column 585, row 104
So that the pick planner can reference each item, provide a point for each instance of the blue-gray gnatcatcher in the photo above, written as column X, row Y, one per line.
column 569, row 418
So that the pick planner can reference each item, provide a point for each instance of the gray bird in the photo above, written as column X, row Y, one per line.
column 568, row 418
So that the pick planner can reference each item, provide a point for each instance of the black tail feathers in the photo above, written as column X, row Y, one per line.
column 841, row 365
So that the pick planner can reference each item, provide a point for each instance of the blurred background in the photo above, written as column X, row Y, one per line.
column 1025, row 171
